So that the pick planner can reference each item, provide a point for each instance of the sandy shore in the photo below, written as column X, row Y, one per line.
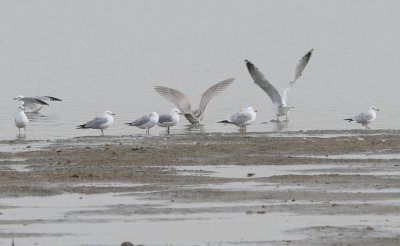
column 330, row 174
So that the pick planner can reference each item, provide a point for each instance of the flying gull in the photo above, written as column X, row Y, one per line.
column 280, row 106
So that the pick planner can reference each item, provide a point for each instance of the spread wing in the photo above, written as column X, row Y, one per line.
column 176, row 97
column 29, row 101
column 211, row 92
column 297, row 73
column 47, row 98
column 263, row 83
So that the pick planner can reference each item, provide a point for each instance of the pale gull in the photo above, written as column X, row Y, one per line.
column 243, row 118
column 21, row 121
column 181, row 101
column 366, row 117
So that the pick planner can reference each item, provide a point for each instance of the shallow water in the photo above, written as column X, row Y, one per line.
column 110, row 55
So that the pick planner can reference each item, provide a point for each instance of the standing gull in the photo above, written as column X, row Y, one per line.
column 21, row 121
column 279, row 101
column 34, row 104
column 105, row 120
column 364, row 118
column 243, row 118
column 168, row 120
column 181, row 101
column 146, row 122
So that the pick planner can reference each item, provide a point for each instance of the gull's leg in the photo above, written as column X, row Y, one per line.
column 102, row 132
column 168, row 130
column 19, row 130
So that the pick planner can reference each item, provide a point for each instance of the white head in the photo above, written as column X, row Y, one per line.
column 374, row 108
column 251, row 109
column 18, row 97
column 175, row 111
column 153, row 115
column 108, row 112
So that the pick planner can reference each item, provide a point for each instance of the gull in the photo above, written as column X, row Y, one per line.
column 34, row 104
column 366, row 117
column 146, row 122
column 21, row 121
column 105, row 120
column 181, row 101
column 168, row 120
column 280, row 106
column 243, row 118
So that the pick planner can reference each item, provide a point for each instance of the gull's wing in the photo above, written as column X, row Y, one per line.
column 240, row 117
column 141, row 121
column 302, row 64
column 47, row 98
column 263, row 83
column 28, row 101
column 297, row 73
column 176, row 97
column 95, row 123
column 164, row 118
column 211, row 92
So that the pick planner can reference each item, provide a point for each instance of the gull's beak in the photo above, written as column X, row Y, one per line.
column 255, row 110
column 180, row 113
column 113, row 114
column 15, row 98
column 377, row 109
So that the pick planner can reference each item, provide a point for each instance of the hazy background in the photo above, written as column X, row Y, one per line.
column 99, row 54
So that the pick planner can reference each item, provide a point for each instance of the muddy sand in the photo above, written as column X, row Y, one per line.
column 295, row 188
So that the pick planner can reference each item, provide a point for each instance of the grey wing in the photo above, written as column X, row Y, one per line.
column 164, row 118
column 47, row 98
column 263, row 83
column 176, row 97
column 141, row 121
column 211, row 92
column 297, row 73
column 96, row 122
column 240, row 117
column 302, row 64
column 31, row 101
column 363, row 117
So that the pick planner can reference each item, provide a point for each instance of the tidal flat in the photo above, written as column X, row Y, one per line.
column 294, row 188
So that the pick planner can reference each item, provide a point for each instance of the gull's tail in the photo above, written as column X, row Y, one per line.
column 224, row 121
column 349, row 120
column 81, row 126
column 130, row 124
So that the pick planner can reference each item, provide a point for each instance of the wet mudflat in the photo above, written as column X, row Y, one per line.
column 296, row 188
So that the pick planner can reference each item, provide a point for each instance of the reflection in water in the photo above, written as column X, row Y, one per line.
column 278, row 126
column 199, row 128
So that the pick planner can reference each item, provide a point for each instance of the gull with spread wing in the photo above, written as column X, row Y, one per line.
column 280, row 106
column 181, row 101
column 34, row 104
